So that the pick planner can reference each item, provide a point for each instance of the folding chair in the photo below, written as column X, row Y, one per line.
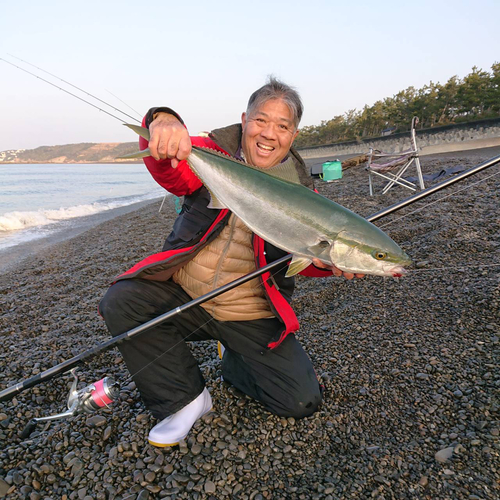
column 395, row 165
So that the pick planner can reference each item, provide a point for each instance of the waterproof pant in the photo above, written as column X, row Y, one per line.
column 166, row 373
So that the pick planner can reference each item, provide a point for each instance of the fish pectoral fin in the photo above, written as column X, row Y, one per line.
column 215, row 203
column 321, row 248
column 142, row 131
column 298, row 264
column 138, row 154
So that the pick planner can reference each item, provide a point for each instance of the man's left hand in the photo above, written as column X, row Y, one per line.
column 336, row 271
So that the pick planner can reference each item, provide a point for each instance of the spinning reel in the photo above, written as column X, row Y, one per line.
column 95, row 396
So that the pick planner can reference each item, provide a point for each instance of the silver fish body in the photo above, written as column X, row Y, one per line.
column 296, row 219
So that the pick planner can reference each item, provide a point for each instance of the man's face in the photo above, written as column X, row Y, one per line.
column 268, row 134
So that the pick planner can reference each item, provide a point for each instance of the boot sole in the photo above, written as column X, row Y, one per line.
column 162, row 445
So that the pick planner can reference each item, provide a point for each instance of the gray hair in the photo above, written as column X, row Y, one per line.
column 274, row 89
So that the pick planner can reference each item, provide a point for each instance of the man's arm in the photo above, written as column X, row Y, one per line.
column 170, row 145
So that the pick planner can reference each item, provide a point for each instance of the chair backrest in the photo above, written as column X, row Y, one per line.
column 414, row 123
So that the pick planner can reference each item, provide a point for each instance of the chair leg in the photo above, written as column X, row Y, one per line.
column 397, row 178
column 419, row 173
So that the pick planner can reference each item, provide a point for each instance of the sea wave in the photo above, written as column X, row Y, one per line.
column 19, row 220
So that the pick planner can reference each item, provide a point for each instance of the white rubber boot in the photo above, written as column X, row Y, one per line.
column 176, row 427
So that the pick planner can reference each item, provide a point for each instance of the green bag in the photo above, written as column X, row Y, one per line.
column 332, row 170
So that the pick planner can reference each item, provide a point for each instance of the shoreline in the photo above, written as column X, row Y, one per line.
column 13, row 256
column 408, row 367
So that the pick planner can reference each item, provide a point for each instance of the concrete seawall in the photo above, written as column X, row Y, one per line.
column 458, row 137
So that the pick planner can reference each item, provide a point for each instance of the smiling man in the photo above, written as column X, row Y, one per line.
column 206, row 249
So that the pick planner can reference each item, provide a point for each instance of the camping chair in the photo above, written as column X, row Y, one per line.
column 394, row 165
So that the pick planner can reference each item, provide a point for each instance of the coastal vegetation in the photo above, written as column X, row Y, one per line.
column 474, row 97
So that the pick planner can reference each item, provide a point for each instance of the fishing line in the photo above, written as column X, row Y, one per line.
column 440, row 199
column 479, row 266
column 128, row 106
column 74, row 86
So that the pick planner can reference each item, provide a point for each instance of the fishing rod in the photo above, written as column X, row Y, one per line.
column 71, row 93
column 69, row 364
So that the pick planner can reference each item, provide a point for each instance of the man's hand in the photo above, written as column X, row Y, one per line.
column 169, row 139
column 336, row 271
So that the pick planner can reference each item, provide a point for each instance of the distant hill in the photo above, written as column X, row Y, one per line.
column 86, row 152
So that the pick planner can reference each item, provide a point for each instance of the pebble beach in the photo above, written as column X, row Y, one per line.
column 410, row 368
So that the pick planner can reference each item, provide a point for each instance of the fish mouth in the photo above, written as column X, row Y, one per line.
column 398, row 271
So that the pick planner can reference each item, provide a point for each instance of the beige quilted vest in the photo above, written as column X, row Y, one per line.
column 225, row 259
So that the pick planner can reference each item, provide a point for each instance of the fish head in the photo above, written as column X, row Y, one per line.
column 373, row 253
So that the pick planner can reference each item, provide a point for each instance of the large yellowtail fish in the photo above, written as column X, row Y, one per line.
column 294, row 218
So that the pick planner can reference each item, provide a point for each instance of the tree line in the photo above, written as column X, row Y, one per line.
column 474, row 97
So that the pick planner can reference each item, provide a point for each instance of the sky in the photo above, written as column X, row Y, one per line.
column 204, row 59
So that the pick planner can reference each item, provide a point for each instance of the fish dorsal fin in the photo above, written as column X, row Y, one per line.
column 298, row 264
column 142, row 131
column 220, row 154
column 285, row 171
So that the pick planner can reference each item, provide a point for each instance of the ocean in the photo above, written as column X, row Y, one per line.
column 44, row 200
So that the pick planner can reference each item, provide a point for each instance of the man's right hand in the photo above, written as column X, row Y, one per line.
column 169, row 139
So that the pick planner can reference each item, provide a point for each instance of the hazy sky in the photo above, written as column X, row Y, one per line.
column 204, row 59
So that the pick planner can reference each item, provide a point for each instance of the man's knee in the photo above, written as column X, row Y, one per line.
column 115, row 308
column 112, row 300
column 304, row 406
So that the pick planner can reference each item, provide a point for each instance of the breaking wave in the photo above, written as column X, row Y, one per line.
column 19, row 220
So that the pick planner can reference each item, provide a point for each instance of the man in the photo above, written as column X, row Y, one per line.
column 206, row 249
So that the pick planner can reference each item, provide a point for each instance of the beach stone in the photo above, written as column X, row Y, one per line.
column 96, row 421
column 196, row 449
column 107, row 433
column 444, row 455
column 423, row 481
column 209, row 487
column 4, row 488
column 237, row 488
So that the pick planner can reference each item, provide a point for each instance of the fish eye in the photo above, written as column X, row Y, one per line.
column 379, row 255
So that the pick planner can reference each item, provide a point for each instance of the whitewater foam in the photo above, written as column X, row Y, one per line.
column 19, row 220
